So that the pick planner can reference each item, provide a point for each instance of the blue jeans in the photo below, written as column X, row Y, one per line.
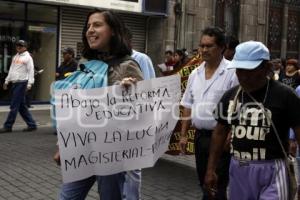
column 132, row 185
column 17, row 103
column 121, row 186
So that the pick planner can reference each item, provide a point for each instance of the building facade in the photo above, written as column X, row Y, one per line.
column 276, row 23
column 51, row 25
column 157, row 26
column 36, row 23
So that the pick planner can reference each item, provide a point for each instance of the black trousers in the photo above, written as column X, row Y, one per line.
column 202, row 144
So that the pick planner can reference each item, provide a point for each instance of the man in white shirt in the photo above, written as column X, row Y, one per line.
column 21, row 75
column 205, row 87
column 145, row 64
column 142, row 59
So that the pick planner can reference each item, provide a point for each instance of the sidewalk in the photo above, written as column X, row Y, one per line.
column 28, row 171
column 41, row 114
column 39, row 107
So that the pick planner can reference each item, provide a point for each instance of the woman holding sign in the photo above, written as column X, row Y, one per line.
column 104, row 40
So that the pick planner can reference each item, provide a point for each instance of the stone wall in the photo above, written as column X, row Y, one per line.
column 164, row 35
column 253, row 20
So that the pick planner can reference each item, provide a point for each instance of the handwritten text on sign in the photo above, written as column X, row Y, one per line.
column 109, row 130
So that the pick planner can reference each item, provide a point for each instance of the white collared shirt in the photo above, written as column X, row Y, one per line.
column 202, row 96
column 145, row 64
column 21, row 69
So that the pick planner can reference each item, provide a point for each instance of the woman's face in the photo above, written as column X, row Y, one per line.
column 177, row 57
column 169, row 57
column 98, row 33
column 290, row 68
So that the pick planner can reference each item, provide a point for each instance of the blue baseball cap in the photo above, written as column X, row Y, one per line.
column 249, row 55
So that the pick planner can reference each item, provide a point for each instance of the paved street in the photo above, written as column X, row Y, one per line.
column 28, row 172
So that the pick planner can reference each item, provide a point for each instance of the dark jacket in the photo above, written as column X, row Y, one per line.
column 65, row 68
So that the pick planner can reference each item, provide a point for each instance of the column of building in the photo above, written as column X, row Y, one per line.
column 253, row 20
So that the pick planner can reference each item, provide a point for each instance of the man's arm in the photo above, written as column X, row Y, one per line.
column 30, row 69
column 150, row 68
column 185, row 125
column 218, row 140
column 8, row 77
column 187, row 102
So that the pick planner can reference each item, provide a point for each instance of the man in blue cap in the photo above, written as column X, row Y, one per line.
column 256, row 111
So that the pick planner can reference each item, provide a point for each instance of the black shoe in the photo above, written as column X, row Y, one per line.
column 5, row 130
column 28, row 129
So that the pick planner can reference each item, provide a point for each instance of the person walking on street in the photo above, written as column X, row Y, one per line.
column 21, row 75
column 259, row 114
column 206, row 84
column 104, row 40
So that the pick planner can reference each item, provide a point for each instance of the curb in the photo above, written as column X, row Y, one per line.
column 38, row 107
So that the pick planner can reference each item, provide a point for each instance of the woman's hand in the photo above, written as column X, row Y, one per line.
column 128, row 82
column 56, row 157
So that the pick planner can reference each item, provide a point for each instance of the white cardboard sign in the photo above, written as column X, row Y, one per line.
column 109, row 130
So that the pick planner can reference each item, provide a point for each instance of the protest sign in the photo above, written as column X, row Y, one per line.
column 109, row 130
column 184, row 73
